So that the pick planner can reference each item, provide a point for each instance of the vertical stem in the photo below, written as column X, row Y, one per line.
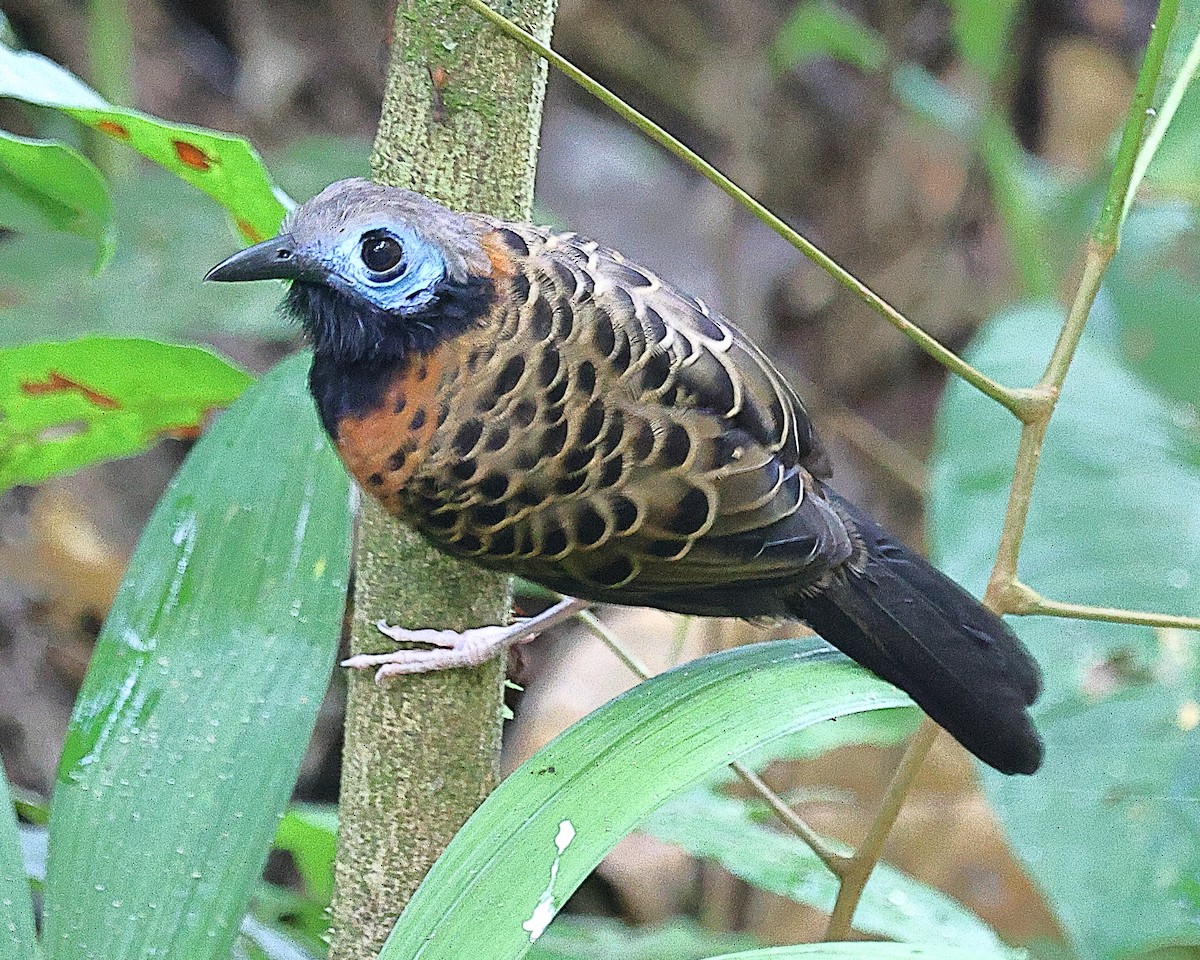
column 1020, row 494
column 460, row 123
column 1003, row 593
column 1099, row 256
column 857, row 872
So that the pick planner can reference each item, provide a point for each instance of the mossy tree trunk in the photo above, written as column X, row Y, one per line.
column 460, row 124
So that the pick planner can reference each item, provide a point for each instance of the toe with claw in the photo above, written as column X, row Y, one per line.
column 448, row 649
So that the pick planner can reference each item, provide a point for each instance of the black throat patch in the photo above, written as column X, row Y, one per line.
column 357, row 346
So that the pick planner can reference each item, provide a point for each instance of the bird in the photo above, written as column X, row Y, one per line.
column 533, row 402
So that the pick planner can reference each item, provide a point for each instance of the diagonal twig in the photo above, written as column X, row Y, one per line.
column 1017, row 400
column 835, row 861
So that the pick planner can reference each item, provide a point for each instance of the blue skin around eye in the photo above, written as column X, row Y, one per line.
column 413, row 289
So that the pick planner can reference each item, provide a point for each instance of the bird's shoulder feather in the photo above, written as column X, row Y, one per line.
column 613, row 437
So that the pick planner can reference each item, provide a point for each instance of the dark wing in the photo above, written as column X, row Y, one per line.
column 644, row 451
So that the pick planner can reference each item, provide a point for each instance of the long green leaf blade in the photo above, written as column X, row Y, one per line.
column 594, row 938
column 854, row 951
column 18, row 936
column 981, row 30
column 150, row 288
column 818, row 28
column 203, row 690
column 536, row 838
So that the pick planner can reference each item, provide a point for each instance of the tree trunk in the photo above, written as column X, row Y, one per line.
column 460, row 124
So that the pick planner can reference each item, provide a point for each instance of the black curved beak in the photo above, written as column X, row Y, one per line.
column 275, row 259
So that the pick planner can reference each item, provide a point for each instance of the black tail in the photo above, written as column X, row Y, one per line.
column 915, row 627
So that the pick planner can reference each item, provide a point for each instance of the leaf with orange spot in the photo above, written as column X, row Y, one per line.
column 225, row 167
column 248, row 231
column 113, row 129
column 192, row 156
column 55, row 382
column 66, row 405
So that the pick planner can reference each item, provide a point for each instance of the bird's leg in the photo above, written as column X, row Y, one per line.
column 452, row 648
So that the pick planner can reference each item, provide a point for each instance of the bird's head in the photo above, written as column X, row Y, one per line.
column 377, row 272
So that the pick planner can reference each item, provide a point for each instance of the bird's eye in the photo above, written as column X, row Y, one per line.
column 382, row 254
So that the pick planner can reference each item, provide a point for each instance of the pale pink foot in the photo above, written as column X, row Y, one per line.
column 451, row 649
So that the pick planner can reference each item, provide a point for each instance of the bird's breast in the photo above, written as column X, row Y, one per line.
column 386, row 445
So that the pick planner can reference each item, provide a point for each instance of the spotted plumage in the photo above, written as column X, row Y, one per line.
column 531, row 401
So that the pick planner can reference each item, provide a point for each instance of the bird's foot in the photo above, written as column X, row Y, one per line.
column 452, row 648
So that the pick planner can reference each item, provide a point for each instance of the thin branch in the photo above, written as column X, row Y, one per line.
column 835, row 861
column 1033, row 433
column 1015, row 400
column 838, row 863
column 613, row 642
column 1026, row 602
column 1020, row 495
column 1099, row 255
column 858, row 871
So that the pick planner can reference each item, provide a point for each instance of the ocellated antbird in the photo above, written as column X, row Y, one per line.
column 535, row 403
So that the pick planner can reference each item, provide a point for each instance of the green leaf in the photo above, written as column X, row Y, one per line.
column 592, row 938
column 30, row 807
column 720, row 828
column 300, row 919
column 1153, row 285
column 881, row 728
column 536, row 838
column 981, row 31
column 18, row 936
column 203, row 690
column 309, row 833
column 854, row 951
column 46, row 183
column 151, row 287
column 225, row 167
column 65, row 405
column 1110, row 827
column 821, row 28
